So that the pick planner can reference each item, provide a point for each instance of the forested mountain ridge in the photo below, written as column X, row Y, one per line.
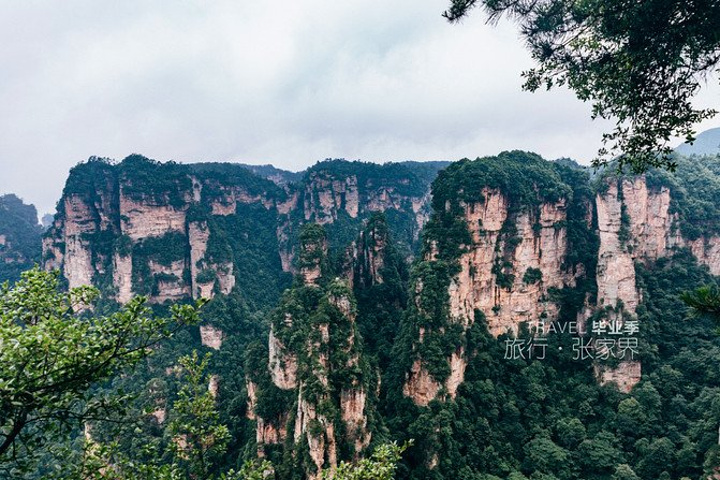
column 706, row 143
column 20, row 237
column 173, row 231
column 364, row 348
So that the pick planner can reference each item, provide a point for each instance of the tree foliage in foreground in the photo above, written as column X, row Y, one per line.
column 639, row 63
column 380, row 466
column 705, row 301
column 54, row 350
column 196, row 440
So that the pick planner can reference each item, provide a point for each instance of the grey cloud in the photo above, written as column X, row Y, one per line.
column 287, row 82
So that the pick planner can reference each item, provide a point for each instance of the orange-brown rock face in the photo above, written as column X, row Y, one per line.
column 132, row 228
column 542, row 247
column 707, row 251
column 326, row 196
column 198, row 235
column 110, row 210
column 211, row 337
column 283, row 364
column 485, row 283
column 267, row 432
column 420, row 385
column 354, row 415
column 204, row 273
column 509, row 278
column 616, row 269
column 319, row 432
column 122, row 277
column 312, row 343
column 147, row 218
column 653, row 229
column 635, row 225
column 169, row 278
column 77, row 255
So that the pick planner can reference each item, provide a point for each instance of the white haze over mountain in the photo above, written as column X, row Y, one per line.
column 706, row 143
column 285, row 82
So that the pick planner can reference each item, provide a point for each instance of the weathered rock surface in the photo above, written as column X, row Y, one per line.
column 211, row 337
column 625, row 376
column 634, row 224
column 420, row 385
column 542, row 246
column 109, row 209
column 283, row 364
column 304, row 364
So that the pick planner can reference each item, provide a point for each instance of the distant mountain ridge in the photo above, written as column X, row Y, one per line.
column 20, row 237
column 706, row 143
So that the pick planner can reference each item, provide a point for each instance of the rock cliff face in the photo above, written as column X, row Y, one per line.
column 539, row 245
column 506, row 278
column 636, row 224
column 211, row 337
column 139, row 227
column 508, row 242
column 312, row 353
column 505, row 258
column 173, row 231
column 513, row 256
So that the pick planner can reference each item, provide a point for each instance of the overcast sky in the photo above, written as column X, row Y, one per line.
column 287, row 82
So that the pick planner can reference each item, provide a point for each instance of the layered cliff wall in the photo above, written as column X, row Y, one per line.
column 506, row 238
column 361, row 348
column 314, row 356
column 506, row 247
column 174, row 231
column 140, row 227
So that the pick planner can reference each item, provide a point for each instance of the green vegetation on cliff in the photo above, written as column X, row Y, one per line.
column 539, row 419
column 315, row 342
column 20, row 237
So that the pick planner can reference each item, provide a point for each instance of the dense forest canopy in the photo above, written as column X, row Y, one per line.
column 20, row 237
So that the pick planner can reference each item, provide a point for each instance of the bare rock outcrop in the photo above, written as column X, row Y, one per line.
column 306, row 363
column 616, row 268
column 144, row 218
column 707, row 251
column 111, row 210
column 635, row 225
column 283, row 364
column 625, row 376
column 420, row 385
column 122, row 277
column 211, row 337
column 79, row 221
column 484, row 283
column 325, row 196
